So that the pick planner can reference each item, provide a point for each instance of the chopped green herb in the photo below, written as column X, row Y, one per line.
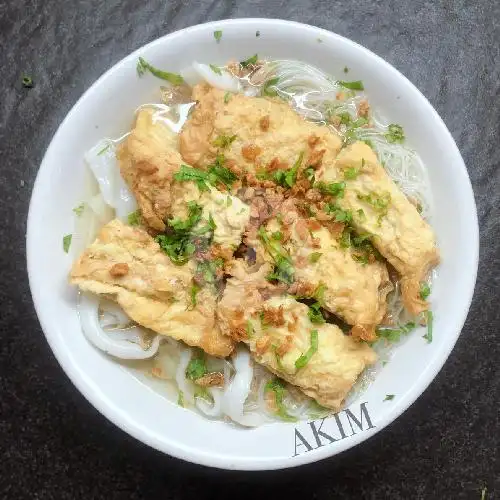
column 104, row 149
column 27, row 82
column 305, row 358
column 283, row 268
column 67, row 242
column 208, row 270
column 134, row 218
column 389, row 397
column 218, row 173
column 187, row 173
column 173, row 78
column 429, row 320
column 227, row 97
column 379, row 202
column 395, row 334
column 268, row 88
column 345, row 118
column 356, row 85
column 276, row 385
column 250, row 329
column 309, row 173
column 203, row 393
column 315, row 410
column 79, row 209
column 331, row 188
column 215, row 69
column 314, row 257
column 286, row 178
column 196, row 367
column 395, row 133
column 314, row 313
column 250, row 61
column 194, row 216
column 177, row 244
column 180, row 399
column 224, row 141
column 192, row 293
column 229, row 201
column 340, row 214
column 425, row 290
column 218, row 35
column 257, row 33
column 362, row 259
column 346, row 69
column 351, row 173
column 361, row 214
column 277, row 235
column 211, row 223
column 278, row 359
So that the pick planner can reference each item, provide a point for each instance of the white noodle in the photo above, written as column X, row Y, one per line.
column 124, row 347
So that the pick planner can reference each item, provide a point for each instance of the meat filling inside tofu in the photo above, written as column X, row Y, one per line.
column 128, row 266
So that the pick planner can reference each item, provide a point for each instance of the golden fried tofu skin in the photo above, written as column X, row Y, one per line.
column 128, row 266
column 148, row 160
column 256, row 134
column 319, row 359
column 380, row 209
column 356, row 291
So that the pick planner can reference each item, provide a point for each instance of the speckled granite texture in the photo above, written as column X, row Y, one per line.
column 53, row 444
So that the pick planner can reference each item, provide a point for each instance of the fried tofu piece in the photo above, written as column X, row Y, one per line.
column 398, row 231
column 267, row 132
column 148, row 159
column 353, row 290
column 128, row 266
column 278, row 331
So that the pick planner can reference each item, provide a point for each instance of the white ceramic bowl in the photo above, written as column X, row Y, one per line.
column 106, row 110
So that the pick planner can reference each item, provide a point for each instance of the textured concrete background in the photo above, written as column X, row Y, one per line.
column 53, row 444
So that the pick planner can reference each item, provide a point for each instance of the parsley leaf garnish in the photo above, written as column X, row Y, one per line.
column 268, row 89
column 250, row 61
column 389, row 397
column 283, row 268
column 173, row 78
column 27, row 82
column 192, row 293
column 276, row 385
column 356, row 85
column 429, row 320
column 218, row 35
column 395, row 133
column 314, row 313
column 196, row 367
column 351, row 173
column 227, row 97
column 134, row 218
column 331, row 188
column 79, row 209
column 306, row 357
column 314, row 257
column 395, row 334
column 224, row 141
column 215, row 69
column 425, row 290
column 67, row 242
column 180, row 399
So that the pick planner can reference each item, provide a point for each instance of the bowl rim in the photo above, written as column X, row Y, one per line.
column 242, row 463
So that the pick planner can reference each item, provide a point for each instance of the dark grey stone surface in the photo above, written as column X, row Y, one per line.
column 53, row 444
